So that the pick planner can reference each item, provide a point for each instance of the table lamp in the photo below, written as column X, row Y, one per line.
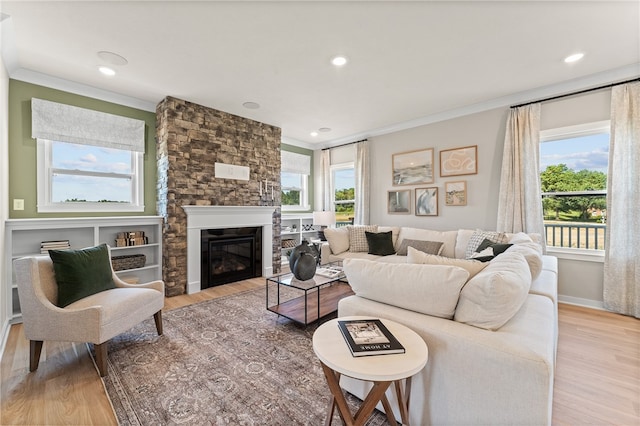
column 323, row 219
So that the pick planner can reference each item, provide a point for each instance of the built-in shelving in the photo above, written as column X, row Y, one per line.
column 23, row 238
column 296, row 227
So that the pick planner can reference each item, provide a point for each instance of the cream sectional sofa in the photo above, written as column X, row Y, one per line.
column 492, row 337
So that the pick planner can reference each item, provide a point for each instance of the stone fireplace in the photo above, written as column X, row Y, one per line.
column 191, row 139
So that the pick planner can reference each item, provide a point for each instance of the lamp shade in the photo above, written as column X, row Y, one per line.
column 324, row 218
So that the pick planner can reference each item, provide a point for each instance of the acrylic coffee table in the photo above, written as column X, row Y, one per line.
column 383, row 370
column 306, row 301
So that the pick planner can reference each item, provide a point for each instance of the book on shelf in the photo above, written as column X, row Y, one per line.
column 329, row 271
column 45, row 246
column 132, row 238
column 369, row 337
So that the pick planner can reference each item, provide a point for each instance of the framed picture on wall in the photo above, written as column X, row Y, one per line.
column 413, row 167
column 459, row 161
column 455, row 193
column 399, row 202
column 427, row 201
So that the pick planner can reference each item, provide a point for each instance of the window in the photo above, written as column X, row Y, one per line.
column 343, row 182
column 573, row 174
column 294, row 191
column 85, row 178
column 88, row 161
column 294, row 180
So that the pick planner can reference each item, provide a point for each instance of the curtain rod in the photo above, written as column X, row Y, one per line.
column 345, row 144
column 606, row 86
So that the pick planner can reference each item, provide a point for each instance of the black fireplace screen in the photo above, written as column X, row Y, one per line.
column 229, row 255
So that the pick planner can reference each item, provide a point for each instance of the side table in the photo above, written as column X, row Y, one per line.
column 336, row 360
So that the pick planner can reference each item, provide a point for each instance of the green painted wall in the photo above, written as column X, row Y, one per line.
column 22, row 148
column 309, row 152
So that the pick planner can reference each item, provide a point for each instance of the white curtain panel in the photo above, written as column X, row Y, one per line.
column 67, row 123
column 363, row 178
column 622, row 258
column 325, row 165
column 519, row 202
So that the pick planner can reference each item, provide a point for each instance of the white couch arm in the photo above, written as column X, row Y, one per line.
column 325, row 253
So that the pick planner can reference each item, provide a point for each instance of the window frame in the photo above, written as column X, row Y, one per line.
column 569, row 132
column 336, row 167
column 45, row 172
column 304, row 193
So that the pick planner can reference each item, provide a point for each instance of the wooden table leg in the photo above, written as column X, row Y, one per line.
column 403, row 400
column 368, row 405
column 337, row 398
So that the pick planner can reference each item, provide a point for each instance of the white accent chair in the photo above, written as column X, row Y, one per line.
column 95, row 319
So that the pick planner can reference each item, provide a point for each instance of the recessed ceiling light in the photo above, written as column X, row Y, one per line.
column 112, row 58
column 251, row 105
column 314, row 134
column 339, row 61
column 324, row 129
column 574, row 58
column 107, row 71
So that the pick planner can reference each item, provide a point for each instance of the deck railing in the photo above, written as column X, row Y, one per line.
column 576, row 235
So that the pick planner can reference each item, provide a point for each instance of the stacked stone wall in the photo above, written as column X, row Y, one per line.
column 191, row 138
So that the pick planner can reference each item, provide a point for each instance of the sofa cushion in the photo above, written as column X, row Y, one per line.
column 380, row 243
column 395, row 230
column 358, row 238
column 428, row 289
column 471, row 266
column 495, row 294
column 81, row 273
column 479, row 236
column 430, row 247
column 448, row 238
column 532, row 253
column 338, row 239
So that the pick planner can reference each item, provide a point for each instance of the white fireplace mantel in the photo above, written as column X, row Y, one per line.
column 217, row 217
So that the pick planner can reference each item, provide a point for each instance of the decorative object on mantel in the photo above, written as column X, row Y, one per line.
column 265, row 194
column 323, row 219
column 302, row 262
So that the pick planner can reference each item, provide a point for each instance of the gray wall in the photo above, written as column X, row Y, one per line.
column 580, row 281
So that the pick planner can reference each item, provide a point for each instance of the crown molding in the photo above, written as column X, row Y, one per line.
column 566, row 87
column 46, row 80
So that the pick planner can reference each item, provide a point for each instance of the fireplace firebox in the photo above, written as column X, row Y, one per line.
column 229, row 255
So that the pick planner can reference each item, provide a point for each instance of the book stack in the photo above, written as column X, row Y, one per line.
column 132, row 238
column 45, row 246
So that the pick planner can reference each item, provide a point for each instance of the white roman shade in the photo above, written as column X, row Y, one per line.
column 295, row 163
column 66, row 123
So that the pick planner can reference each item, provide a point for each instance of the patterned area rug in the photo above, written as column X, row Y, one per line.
column 226, row 361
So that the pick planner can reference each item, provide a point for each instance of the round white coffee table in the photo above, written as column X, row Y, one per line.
column 336, row 359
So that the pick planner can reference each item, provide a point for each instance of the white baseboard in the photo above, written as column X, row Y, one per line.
column 578, row 301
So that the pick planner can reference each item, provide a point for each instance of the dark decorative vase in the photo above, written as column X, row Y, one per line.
column 304, row 267
column 300, row 267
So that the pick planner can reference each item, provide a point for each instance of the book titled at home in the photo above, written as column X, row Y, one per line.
column 369, row 337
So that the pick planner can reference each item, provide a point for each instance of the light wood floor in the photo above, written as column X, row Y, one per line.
column 597, row 378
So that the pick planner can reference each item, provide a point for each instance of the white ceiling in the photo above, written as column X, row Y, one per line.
column 410, row 63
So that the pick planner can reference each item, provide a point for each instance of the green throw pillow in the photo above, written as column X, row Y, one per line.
column 81, row 273
column 380, row 243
